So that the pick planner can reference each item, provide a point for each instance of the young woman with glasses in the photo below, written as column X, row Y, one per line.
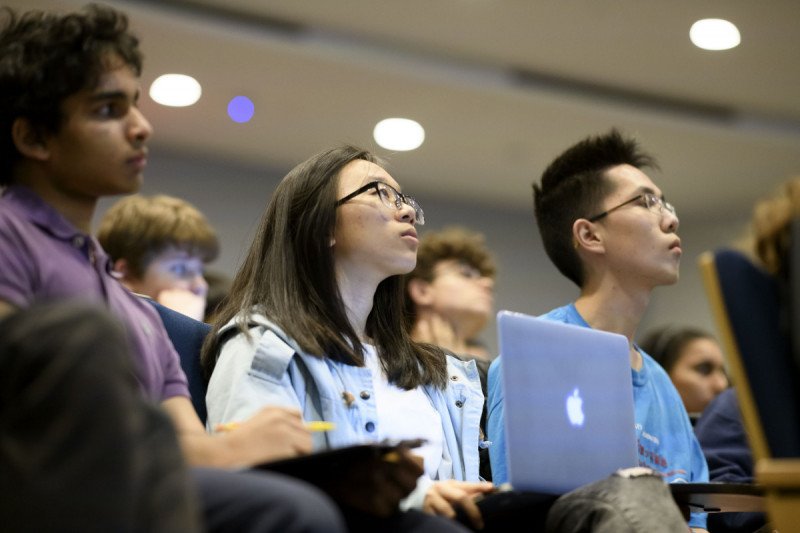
column 314, row 321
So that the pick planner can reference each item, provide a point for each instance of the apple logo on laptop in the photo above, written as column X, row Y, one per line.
column 575, row 408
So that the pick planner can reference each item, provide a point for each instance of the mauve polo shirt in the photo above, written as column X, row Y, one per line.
column 44, row 257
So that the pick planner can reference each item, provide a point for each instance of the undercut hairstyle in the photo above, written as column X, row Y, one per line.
column 450, row 244
column 47, row 57
column 667, row 344
column 138, row 228
column 573, row 186
column 288, row 275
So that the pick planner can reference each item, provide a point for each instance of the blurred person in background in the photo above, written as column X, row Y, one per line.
column 694, row 362
column 159, row 246
column 449, row 300
column 450, row 293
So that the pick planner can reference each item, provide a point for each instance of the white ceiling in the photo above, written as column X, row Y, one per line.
column 500, row 86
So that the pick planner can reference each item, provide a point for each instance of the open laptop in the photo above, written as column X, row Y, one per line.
column 569, row 414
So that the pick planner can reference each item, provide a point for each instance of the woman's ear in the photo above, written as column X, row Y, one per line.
column 420, row 292
column 28, row 140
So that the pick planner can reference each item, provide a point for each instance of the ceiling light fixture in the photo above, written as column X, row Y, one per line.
column 401, row 134
column 715, row 34
column 241, row 109
column 175, row 90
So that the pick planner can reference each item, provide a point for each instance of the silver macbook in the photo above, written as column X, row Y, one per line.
column 569, row 415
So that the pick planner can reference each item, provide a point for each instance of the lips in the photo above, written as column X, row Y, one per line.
column 409, row 233
column 139, row 160
column 676, row 245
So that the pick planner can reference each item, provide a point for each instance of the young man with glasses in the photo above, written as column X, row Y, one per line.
column 607, row 227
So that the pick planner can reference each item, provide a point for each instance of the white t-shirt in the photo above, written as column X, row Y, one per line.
column 406, row 414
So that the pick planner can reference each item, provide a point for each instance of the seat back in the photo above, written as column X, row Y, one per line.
column 746, row 305
column 187, row 335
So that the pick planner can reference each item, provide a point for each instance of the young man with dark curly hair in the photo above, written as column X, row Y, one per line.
column 72, row 132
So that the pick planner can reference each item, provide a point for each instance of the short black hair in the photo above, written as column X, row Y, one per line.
column 573, row 186
column 47, row 57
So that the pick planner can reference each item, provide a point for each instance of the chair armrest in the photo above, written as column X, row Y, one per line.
column 781, row 481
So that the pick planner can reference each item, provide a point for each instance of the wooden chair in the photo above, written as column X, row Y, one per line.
column 746, row 304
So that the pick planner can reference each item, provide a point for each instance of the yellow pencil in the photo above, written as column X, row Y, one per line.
column 314, row 425
column 320, row 425
column 229, row 426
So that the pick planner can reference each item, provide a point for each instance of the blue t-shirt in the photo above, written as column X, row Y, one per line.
column 666, row 441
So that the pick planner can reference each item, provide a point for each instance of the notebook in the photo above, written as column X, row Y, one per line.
column 569, row 414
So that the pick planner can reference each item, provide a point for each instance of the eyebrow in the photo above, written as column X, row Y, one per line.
column 113, row 95
column 649, row 190
column 384, row 181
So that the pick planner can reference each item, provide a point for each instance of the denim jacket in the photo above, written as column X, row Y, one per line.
column 271, row 369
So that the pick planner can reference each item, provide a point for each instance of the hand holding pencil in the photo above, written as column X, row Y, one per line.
column 313, row 425
column 271, row 434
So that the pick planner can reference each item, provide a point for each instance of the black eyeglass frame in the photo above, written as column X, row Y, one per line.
column 650, row 200
column 400, row 199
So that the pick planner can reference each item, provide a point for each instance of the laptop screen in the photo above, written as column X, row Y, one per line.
column 568, row 403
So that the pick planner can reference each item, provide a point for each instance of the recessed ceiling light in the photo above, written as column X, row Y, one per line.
column 400, row 134
column 714, row 34
column 175, row 90
column 241, row 109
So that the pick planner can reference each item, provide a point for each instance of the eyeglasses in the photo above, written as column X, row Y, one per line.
column 391, row 198
column 649, row 200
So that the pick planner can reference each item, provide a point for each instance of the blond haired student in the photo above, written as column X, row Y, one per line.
column 159, row 246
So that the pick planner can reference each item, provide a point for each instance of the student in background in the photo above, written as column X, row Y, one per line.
column 314, row 323
column 694, row 362
column 724, row 441
column 768, row 237
column 450, row 293
column 159, row 246
column 720, row 430
column 769, row 242
column 450, row 298
column 608, row 228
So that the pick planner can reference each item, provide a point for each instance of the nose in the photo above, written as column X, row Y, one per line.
column 406, row 213
column 670, row 221
column 199, row 285
column 720, row 382
column 140, row 128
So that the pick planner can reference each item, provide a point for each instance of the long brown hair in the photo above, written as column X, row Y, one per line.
column 288, row 275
